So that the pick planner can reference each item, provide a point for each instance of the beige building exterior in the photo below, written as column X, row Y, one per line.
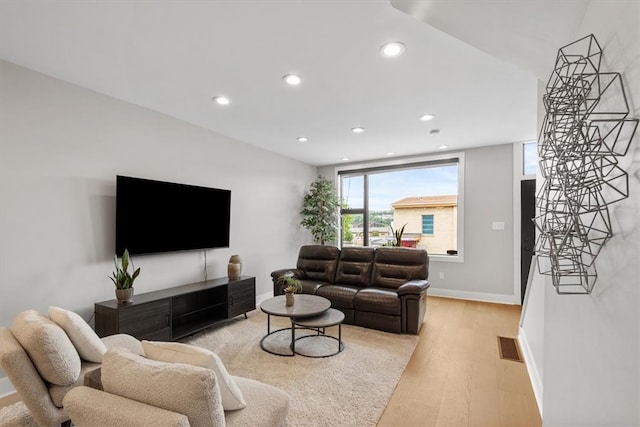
column 431, row 222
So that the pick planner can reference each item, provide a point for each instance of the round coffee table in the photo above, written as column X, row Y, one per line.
column 304, row 306
column 319, row 323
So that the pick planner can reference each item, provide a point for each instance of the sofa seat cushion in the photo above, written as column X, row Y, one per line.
column 266, row 405
column 58, row 392
column 311, row 286
column 378, row 300
column 339, row 295
column 48, row 346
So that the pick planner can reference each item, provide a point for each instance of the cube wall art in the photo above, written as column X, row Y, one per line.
column 586, row 130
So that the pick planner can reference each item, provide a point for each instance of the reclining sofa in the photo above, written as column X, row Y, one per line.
column 379, row 288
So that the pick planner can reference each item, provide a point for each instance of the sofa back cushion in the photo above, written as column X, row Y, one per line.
column 48, row 346
column 394, row 266
column 354, row 266
column 318, row 262
column 178, row 387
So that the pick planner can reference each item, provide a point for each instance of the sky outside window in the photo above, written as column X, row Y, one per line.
column 388, row 187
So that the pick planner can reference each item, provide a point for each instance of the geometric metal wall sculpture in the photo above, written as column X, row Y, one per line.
column 585, row 130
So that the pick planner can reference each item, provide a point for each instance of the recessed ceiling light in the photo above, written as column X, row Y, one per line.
column 292, row 79
column 392, row 49
column 434, row 132
column 302, row 139
column 390, row 153
column 222, row 100
column 427, row 117
column 344, row 159
column 442, row 147
column 357, row 130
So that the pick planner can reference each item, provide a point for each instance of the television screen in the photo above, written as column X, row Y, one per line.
column 156, row 216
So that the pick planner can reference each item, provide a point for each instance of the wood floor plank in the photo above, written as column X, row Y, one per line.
column 456, row 377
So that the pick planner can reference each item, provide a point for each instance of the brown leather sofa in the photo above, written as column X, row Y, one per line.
column 379, row 288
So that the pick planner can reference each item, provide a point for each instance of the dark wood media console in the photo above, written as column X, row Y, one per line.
column 170, row 314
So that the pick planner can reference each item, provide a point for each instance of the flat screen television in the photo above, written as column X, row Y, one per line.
column 157, row 216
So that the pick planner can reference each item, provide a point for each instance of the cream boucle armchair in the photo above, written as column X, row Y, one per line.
column 43, row 363
column 143, row 392
column 139, row 383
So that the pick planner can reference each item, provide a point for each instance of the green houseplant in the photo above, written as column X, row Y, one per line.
column 122, row 279
column 320, row 210
column 290, row 285
column 397, row 236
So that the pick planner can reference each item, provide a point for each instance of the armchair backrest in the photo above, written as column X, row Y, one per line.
column 27, row 381
column 355, row 265
column 394, row 266
column 318, row 262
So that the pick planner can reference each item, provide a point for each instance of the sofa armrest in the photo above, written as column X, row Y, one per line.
column 297, row 273
column 89, row 407
column 277, row 288
column 415, row 287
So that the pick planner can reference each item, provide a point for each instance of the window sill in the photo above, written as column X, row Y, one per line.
column 446, row 258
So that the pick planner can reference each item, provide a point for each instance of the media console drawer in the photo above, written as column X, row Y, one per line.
column 172, row 313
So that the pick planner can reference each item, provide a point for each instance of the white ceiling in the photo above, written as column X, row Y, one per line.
column 173, row 57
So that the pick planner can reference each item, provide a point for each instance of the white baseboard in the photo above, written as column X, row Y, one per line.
column 534, row 375
column 474, row 296
column 6, row 387
column 262, row 297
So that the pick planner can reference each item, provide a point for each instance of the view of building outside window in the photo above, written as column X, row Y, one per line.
column 431, row 222
column 422, row 199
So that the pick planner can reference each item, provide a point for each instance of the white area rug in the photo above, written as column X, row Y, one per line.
column 351, row 388
column 16, row 415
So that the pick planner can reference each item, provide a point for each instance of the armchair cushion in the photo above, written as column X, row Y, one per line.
column 89, row 407
column 176, row 352
column 57, row 392
column 177, row 387
column 85, row 340
column 48, row 346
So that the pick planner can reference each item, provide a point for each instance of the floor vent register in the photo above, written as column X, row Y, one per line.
column 509, row 349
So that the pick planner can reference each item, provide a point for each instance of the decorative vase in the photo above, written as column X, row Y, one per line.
column 124, row 296
column 234, row 269
column 288, row 299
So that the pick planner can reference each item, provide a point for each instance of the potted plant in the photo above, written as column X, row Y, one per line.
column 397, row 236
column 122, row 279
column 320, row 210
column 289, row 285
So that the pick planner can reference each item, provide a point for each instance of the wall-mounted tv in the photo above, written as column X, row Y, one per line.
column 157, row 216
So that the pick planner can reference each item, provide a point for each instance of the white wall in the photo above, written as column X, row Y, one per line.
column 591, row 348
column 531, row 332
column 61, row 147
column 486, row 274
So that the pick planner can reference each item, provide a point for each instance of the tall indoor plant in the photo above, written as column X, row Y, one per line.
column 122, row 279
column 320, row 210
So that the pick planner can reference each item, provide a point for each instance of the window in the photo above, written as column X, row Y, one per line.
column 529, row 158
column 381, row 198
column 427, row 224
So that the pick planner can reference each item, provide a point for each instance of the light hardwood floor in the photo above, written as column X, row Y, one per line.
column 455, row 376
